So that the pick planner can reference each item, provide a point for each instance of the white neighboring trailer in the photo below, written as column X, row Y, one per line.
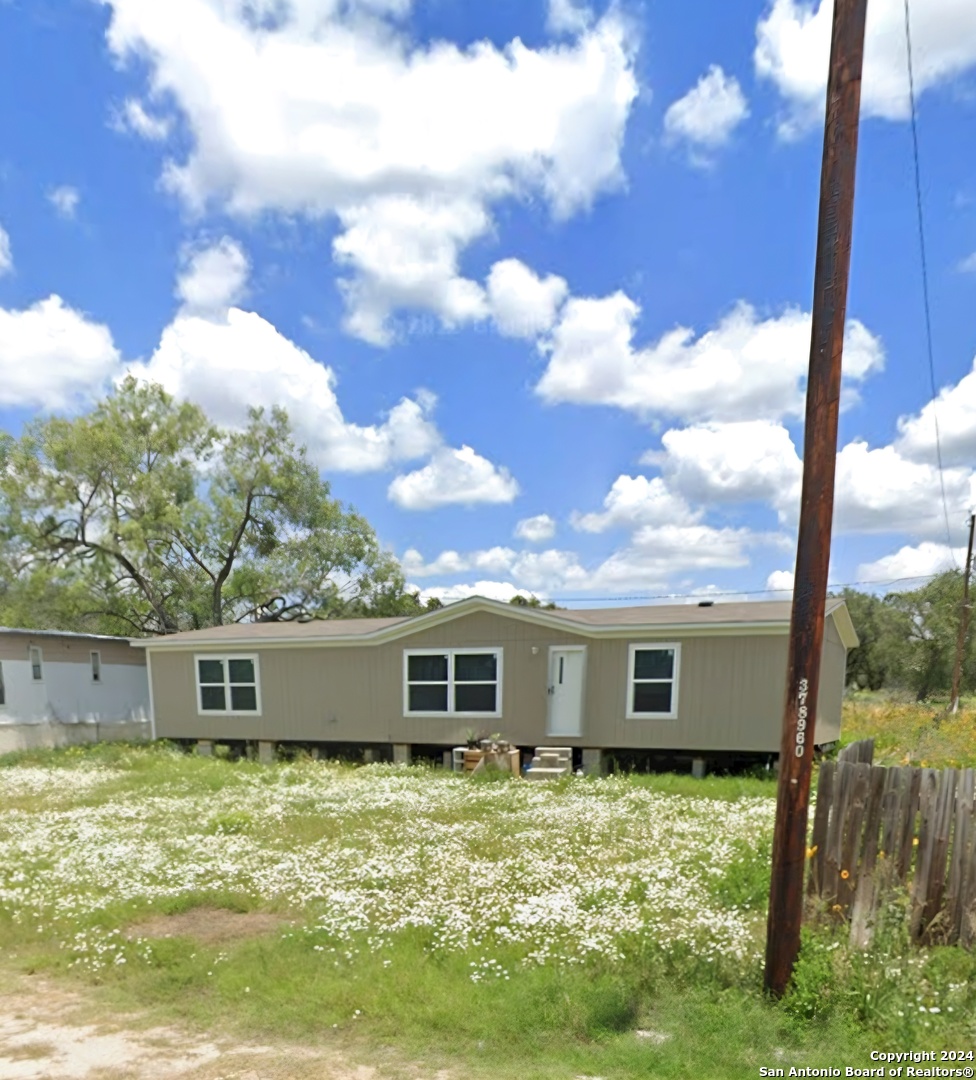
column 60, row 689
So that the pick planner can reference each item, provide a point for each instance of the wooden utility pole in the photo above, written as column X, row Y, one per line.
column 817, row 499
column 963, row 621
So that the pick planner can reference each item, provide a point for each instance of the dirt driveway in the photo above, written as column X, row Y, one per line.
column 50, row 1033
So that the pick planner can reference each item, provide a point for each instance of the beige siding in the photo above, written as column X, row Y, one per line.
column 730, row 695
column 68, row 650
column 833, row 677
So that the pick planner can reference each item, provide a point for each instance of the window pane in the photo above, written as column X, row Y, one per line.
column 427, row 698
column 3, row 699
column 426, row 669
column 241, row 671
column 471, row 697
column 243, row 698
column 652, row 697
column 211, row 671
column 212, row 697
column 475, row 667
column 654, row 663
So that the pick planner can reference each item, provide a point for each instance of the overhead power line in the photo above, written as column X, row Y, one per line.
column 925, row 276
column 733, row 592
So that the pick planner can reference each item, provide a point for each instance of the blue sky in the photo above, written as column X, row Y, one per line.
column 531, row 278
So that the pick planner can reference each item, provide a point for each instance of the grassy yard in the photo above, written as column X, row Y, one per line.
column 912, row 734
column 589, row 928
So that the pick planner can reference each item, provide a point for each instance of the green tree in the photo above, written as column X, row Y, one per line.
column 881, row 657
column 931, row 615
column 908, row 639
column 160, row 521
column 533, row 602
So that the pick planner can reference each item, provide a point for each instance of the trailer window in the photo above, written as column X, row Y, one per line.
column 652, row 686
column 228, row 684
column 452, row 682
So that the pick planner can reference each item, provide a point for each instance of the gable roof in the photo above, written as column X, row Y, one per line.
column 763, row 616
column 66, row 634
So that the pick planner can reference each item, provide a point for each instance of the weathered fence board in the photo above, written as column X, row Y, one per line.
column 879, row 827
column 863, row 904
column 818, row 842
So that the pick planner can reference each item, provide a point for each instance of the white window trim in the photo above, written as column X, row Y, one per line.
column 91, row 659
column 674, row 680
column 226, row 657
column 495, row 650
column 31, row 649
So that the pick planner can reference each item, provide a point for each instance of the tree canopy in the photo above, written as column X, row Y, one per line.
column 143, row 517
column 908, row 639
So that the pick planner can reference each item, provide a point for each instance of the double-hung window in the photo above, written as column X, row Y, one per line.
column 652, row 681
column 36, row 663
column 96, row 666
column 228, row 684
column 452, row 682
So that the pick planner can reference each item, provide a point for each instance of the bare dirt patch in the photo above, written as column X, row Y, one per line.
column 48, row 1032
column 208, row 925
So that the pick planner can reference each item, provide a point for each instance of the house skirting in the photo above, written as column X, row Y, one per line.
column 48, row 734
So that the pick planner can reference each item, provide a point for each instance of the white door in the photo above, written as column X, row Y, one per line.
column 566, row 691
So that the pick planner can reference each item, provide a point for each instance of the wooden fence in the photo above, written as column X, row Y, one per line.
column 876, row 828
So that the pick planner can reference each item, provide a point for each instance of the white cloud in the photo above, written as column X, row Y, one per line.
column 955, row 409
column 876, row 490
column 6, row 255
column 497, row 560
column 634, row 501
column 214, row 277
column 924, row 560
column 523, row 304
column 751, row 460
column 321, row 108
column 552, row 570
column 793, row 48
column 536, row 529
column 132, row 116
column 540, row 572
column 653, row 556
column 880, row 491
column 453, row 477
column 230, row 361
column 53, row 357
column 780, row 581
column 745, row 368
column 968, row 265
column 404, row 254
column 567, row 17
column 708, row 114
column 492, row 590
column 65, row 200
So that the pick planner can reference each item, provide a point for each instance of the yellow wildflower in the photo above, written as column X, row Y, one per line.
column 844, row 874
column 915, row 842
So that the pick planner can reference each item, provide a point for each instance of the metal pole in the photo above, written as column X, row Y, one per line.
column 817, row 499
column 963, row 621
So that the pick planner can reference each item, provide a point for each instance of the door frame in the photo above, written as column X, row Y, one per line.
column 549, row 697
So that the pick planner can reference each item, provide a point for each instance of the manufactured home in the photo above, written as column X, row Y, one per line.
column 58, row 687
column 700, row 680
